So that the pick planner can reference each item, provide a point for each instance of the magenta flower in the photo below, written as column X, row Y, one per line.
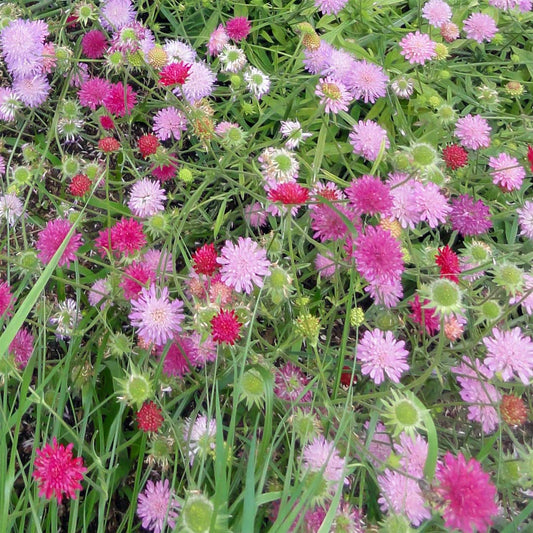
column 92, row 92
column 369, row 195
column 181, row 356
column 243, row 265
column 510, row 354
column 437, row 12
column 21, row 347
column 508, row 174
column 473, row 131
column 381, row 354
column 157, row 506
column 418, row 48
column 404, row 192
column 6, row 299
column 156, row 317
column 367, row 137
column 469, row 217
column 468, row 494
column 480, row 27
column 51, row 238
column 120, row 101
column 290, row 383
column 57, row 471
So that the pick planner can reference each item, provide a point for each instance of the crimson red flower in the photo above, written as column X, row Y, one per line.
column 205, row 260
column 455, row 156
column 448, row 263
column 57, row 471
column 513, row 410
column 530, row 156
column 424, row 316
column 289, row 193
column 149, row 417
column 225, row 327
column 108, row 145
column 94, row 44
column 346, row 377
column 106, row 122
column 148, row 145
column 174, row 74
column 467, row 492
column 80, row 185
column 238, row 28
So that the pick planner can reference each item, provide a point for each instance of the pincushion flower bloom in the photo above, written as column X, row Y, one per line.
column 329, row 7
column 508, row 174
column 11, row 208
column 367, row 138
column 199, row 83
column 468, row 494
column 258, row 83
column 333, row 95
column 381, row 354
column 116, row 13
column 157, row 506
column 437, row 12
column 418, row 48
column 57, row 472
column 366, row 81
column 31, row 90
column 525, row 219
column 480, row 27
column 244, row 265
column 510, row 354
column 147, row 198
column 156, row 318
column 51, row 238
column 469, row 217
column 473, row 131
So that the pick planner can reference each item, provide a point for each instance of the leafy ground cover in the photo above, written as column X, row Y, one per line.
column 266, row 266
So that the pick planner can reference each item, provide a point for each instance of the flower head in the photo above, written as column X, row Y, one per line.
column 116, row 13
column 525, row 219
column 328, row 7
column 93, row 92
column 157, row 506
column 93, row 44
column 149, row 417
column 437, row 12
column 424, row 316
column 225, row 327
column 21, row 347
column 244, row 265
column 448, row 262
column 369, row 195
column 455, row 156
column 120, row 100
column 473, row 131
column 52, row 237
column 200, row 435
column 199, row 82
column 169, row 122
column 217, row 41
column 290, row 384
column 156, row 317
column 381, row 354
column 367, row 138
column 334, row 96
column 418, row 48
column 57, row 472
column 480, row 27
column 146, row 198
column 238, row 28
column 11, row 208
column 180, row 357
column 174, row 74
column 469, row 217
column 367, row 81
column 257, row 82
column 508, row 174
column 467, row 492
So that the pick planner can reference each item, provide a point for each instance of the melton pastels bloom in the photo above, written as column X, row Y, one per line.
column 467, row 492
column 21, row 347
column 174, row 74
column 367, row 138
column 525, row 219
column 507, row 173
column 320, row 455
column 244, row 265
column 32, row 90
column 238, row 28
column 381, row 354
column 329, row 7
column 510, row 354
column 469, row 217
column 120, row 100
column 199, row 83
column 149, row 417
column 290, row 384
column 334, row 96
column 57, row 472
column 93, row 92
column 157, row 505
column 169, row 122
column 367, row 81
column 147, row 198
column 225, row 327
column 52, row 237
column 156, row 318
column 437, row 12
column 369, row 195
column 418, row 48
column 480, row 27
column 11, row 208
column 6, row 299
column 473, row 132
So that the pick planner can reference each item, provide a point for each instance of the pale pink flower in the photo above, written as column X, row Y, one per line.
column 480, row 27
column 418, row 48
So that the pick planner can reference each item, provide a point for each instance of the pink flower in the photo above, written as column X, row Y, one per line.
column 327, row 222
column 473, row 131
column 367, row 81
column 136, row 276
column 510, row 354
column 525, row 297
column 402, row 495
column 387, row 293
column 508, row 174
column 238, row 28
column 437, row 12
column 6, row 299
column 381, row 354
column 290, row 383
column 418, row 48
column 404, row 192
column 243, row 265
column 367, row 138
column 120, row 101
column 225, row 327
column 32, row 90
column 469, row 217
column 127, row 236
column 369, row 195
column 156, row 317
column 255, row 215
column 92, row 92
column 413, row 452
column 147, row 198
column 424, row 316
column 325, row 265
column 432, row 204
column 180, row 357
column 333, row 95
column 468, row 493
column 525, row 219
column 480, row 27
column 94, row 44
column 378, row 255
column 52, row 237
column 57, row 471
column 321, row 455
column 217, row 40
column 328, row 7
column 157, row 506
column 21, row 347
column 169, row 122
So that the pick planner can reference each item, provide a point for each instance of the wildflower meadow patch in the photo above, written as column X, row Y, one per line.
column 266, row 266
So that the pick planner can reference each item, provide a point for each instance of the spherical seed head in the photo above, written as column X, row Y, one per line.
column 148, row 144
column 157, row 57
column 455, row 156
column 80, row 185
column 197, row 513
column 108, row 145
column 513, row 410
column 311, row 41
column 514, row 88
column 149, row 417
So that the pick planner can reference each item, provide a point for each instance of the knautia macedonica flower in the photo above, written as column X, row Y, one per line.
column 437, row 12
column 525, row 297
column 180, row 356
column 169, row 122
column 21, row 347
column 232, row 59
column 480, row 27
column 402, row 495
column 412, row 451
column 508, row 276
column 93, row 92
column 509, row 354
column 156, row 318
column 120, row 100
column 444, row 296
column 369, row 195
column 149, row 417
column 217, row 41
column 334, row 96
column 52, row 237
column 200, row 436
column 226, row 327
column 292, row 131
column 508, row 174
column 402, row 87
column 238, row 28
column 367, row 81
column 57, row 472
column 367, row 139
column 9, row 104
column 468, row 494
column 146, row 198
column 290, row 384
column 6, row 299
column 473, row 132
column 157, row 506
column 11, row 208
column 418, row 48
column 525, row 219
column 328, row 7
column 31, row 90
column 257, row 82
column 244, row 265
column 382, row 355
column 469, row 217
column 513, row 410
